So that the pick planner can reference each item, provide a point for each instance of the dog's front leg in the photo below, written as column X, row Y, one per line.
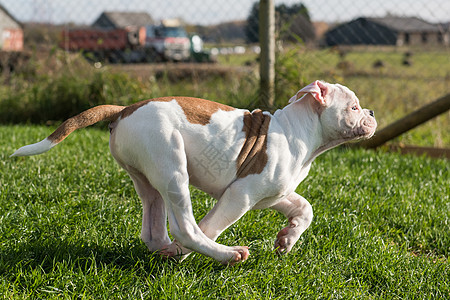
column 230, row 207
column 299, row 213
column 189, row 235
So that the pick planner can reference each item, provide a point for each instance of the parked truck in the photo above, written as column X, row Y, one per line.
column 153, row 43
column 168, row 41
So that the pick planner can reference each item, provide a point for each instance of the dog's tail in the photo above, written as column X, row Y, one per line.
column 86, row 118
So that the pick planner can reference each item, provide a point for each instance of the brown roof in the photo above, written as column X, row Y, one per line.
column 10, row 15
column 405, row 24
column 123, row 19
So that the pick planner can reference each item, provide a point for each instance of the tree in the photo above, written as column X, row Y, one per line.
column 292, row 22
column 252, row 28
column 285, row 11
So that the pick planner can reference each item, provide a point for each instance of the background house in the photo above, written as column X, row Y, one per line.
column 11, row 32
column 389, row 30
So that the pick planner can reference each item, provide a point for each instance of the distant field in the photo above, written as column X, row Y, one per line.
column 60, row 86
column 392, row 90
column 70, row 225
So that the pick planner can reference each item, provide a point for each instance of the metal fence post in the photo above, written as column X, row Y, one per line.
column 267, row 55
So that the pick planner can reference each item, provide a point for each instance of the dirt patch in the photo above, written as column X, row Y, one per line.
column 416, row 150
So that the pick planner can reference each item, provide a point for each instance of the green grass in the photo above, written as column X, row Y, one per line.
column 70, row 225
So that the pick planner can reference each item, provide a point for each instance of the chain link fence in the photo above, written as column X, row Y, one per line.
column 394, row 54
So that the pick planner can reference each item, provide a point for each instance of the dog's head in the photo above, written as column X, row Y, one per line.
column 340, row 113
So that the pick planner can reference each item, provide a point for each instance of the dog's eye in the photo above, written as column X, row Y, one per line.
column 355, row 107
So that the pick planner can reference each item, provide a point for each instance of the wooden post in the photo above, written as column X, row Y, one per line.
column 267, row 55
column 408, row 122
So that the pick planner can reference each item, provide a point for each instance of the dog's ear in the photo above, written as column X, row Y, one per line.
column 317, row 89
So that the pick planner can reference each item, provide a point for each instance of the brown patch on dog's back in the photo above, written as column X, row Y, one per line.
column 129, row 110
column 196, row 110
column 253, row 156
column 199, row 111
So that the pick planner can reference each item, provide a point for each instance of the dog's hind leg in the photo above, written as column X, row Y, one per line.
column 154, row 216
column 165, row 167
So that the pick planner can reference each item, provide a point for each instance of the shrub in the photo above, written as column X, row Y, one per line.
column 64, row 85
column 63, row 94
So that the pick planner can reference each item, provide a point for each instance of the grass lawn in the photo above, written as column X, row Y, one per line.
column 70, row 225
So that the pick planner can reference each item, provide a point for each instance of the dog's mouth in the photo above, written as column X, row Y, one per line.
column 366, row 128
column 363, row 129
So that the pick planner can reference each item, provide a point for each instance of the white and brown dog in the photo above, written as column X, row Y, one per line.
column 246, row 160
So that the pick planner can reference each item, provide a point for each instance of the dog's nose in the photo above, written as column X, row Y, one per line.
column 371, row 113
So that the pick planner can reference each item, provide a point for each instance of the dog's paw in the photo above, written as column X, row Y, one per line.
column 286, row 239
column 174, row 250
column 240, row 253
